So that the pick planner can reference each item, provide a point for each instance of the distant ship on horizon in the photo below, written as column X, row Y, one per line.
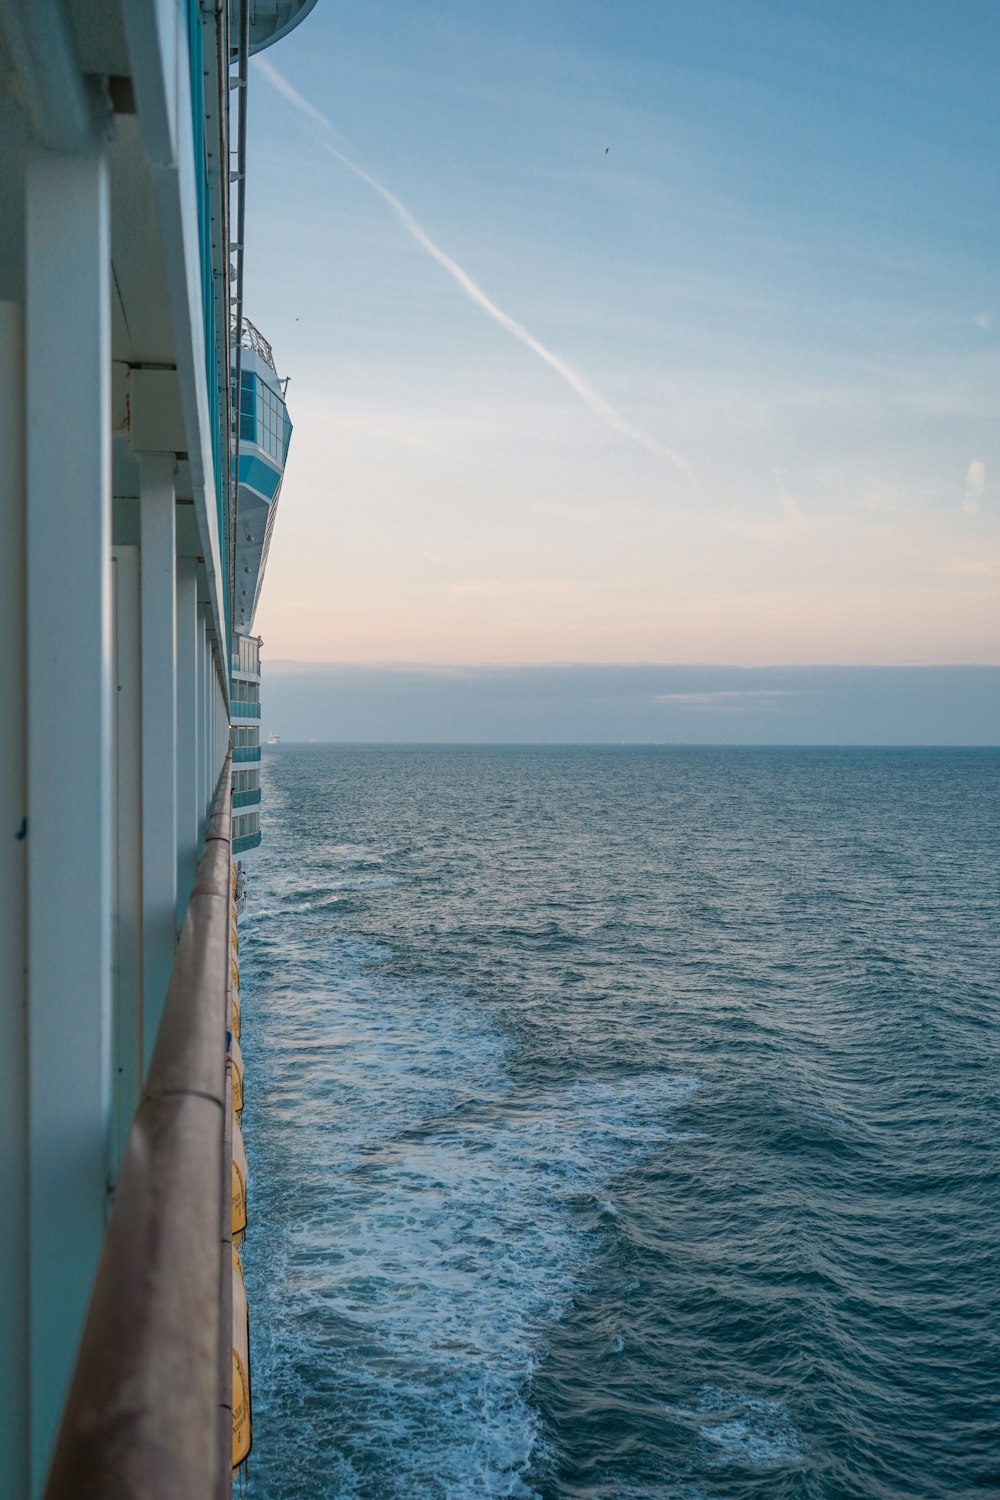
column 273, row 739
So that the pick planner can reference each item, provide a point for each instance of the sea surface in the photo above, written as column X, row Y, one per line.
column 623, row 1123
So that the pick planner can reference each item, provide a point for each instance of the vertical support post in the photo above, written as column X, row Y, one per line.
column 217, row 717
column 157, row 534
column 188, row 821
column 13, row 954
column 202, row 649
column 69, row 683
column 128, row 937
column 206, row 698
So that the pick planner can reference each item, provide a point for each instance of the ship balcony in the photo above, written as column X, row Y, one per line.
column 264, row 419
column 246, row 830
column 244, row 753
column 242, row 709
column 247, row 799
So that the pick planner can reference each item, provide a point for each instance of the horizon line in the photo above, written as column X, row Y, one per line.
column 644, row 744
column 390, row 664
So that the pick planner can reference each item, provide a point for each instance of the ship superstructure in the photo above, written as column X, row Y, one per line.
column 135, row 517
column 265, row 431
column 245, row 708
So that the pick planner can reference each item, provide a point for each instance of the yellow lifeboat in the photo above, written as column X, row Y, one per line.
column 242, row 1431
column 239, row 1184
column 237, row 1071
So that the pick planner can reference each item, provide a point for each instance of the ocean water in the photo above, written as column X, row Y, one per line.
column 623, row 1123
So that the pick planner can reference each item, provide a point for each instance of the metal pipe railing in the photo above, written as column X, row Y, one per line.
column 243, row 62
column 143, row 1419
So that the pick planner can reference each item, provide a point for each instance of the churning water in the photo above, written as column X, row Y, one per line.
column 623, row 1123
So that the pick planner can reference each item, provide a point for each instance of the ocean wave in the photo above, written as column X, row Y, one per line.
column 416, row 1287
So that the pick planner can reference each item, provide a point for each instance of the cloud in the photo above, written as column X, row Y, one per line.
column 642, row 704
column 591, row 398
column 315, row 116
column 789, row 506
column 984, row 320
column 728, row 700
column 973, row 567
column 975, row 485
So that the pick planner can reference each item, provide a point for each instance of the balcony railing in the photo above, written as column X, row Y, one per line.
column 243, row 753
column 246, row 799
column 149, row 1411
column 252, row 338
column 241, row 709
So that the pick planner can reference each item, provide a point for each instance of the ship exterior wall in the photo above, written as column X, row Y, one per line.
column 117, row 553
column 92, row 853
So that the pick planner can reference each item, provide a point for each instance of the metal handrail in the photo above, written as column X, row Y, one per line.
column 144, row 1419
column 253, row 339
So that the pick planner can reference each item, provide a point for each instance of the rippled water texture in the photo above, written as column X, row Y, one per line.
column 623, row 1124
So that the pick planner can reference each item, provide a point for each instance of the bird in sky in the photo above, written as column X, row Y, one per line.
column 606, row 150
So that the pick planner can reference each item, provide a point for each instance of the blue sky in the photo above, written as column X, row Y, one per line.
column 783, row 271
column 640, row 704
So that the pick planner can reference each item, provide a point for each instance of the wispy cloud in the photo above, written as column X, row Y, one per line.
column 972, row 567
column 975, row 487
column 590, row 397
column 729, row 700
column 315, row 116
column 789, row 505
column 984, row 320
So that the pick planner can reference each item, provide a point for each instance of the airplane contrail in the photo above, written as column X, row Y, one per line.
column 588, row 395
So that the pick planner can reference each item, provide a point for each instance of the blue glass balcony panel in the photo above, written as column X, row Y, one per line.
column 252, row 841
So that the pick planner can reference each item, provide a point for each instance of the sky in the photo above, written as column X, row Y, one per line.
column 638, row 704
column 645, row 332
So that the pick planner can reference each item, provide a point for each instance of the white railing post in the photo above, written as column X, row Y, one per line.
column 188, row 813
column 127, row 949
column 158, row 530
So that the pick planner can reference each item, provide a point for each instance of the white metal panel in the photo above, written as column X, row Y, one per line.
column 162, row 81
column 13, row 846
column 69, row 702
column 156, row 416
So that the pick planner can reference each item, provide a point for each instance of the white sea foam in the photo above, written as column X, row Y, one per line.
column 748, row 1430
column 443, row 1219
